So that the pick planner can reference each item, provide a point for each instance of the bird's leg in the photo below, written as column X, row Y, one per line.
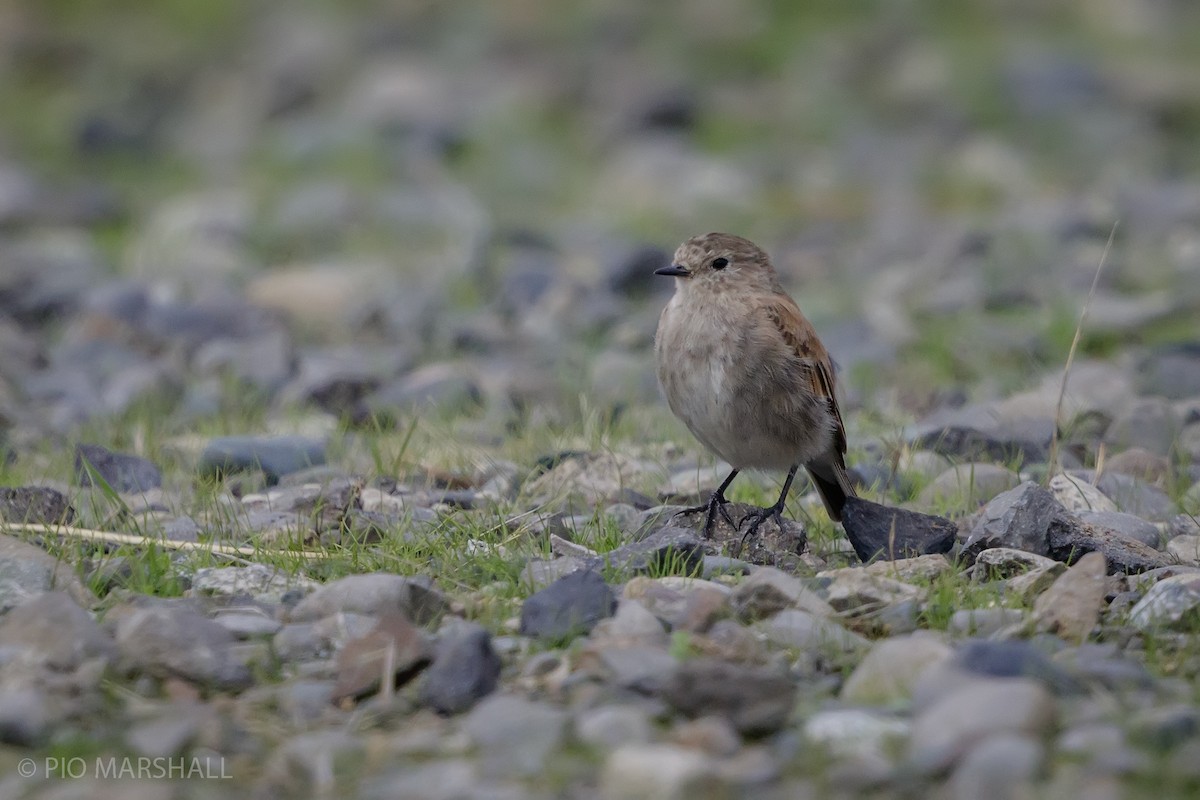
column 715, row 503
column 772, row 512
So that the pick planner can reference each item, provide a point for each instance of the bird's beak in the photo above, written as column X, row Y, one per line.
column 675, row 271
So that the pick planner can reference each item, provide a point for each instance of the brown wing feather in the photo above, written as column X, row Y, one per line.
column 799, row 335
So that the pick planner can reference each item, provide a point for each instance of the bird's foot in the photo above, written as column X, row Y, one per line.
column 715, row 505
column 757, row 518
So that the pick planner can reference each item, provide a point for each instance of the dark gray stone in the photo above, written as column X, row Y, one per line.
column 569, row 607
column 1127, row 525
column 667, row 551
column 275, row 456
column 167, row 640
column 124, row 473
column 35, row 504
column 756, row 700
column 1013, row 658
column 465, row 669
column 1018, row 519
column 1069, row 538
column 880, row 532
column 1019, row 442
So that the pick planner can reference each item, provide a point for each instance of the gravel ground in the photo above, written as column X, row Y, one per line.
column 332, row 461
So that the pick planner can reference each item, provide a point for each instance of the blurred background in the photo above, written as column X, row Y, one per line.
column 364, row 205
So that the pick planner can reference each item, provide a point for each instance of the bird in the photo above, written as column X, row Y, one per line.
column 746, row 373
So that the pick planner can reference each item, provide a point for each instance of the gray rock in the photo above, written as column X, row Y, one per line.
column 1071, row 607
column 170, row 733
column 465, row 669
column 301, row 641
column 570, row 606
column 673, row 551
column 35, row 504
column 642, row 668
column 664, row 771
column 316, row 759
column 756, row 700
column 540, row 573
column 967, row 486
column 27, row 571
column 257, row 581
column 802, row 631
column 124, row 473
column 854, row 591
column 1172, row 603
column 1133, row 495
column 1070, row 538
column 445, row 779
column 1186, row 549
column 444, row 386
column 389, row 654
column 1150, row 423
column 1014, row 659
column 1077, row 495
column 515, row 737
column 247, row 622
column 374, row 593
column 769, row 590
column 983, row 622
column 998, row 768
column 274, row 456
column 608, row 727
column 879, row 532
column 888, row 672
column 1171, row 371
column 52, row 632
column 954, row 724
column 1016, row 441
column 632, row 624
column 1019, row 519
column 25, row 719
column 176, row 641
column 856, row 733
column 1126, row 525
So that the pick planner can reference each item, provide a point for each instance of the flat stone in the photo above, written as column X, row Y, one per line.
column 570, row 606
column 52, row 632
column 176, row 641
column 756, row 700
column 1077, row 495
column 465, row 669
column 374, row 593
column 39, row 505
column 257, row 581
column 890, row 669
column 966, row 486
column 514, row 736
column 1018, row 518
column 769, row 590
column 27, row 571
column 1071, row 538
column 1186, row 549
column 122, row 472
column 1172, row 604
column 609, row 727
column 274, row 456
column 1125, row 525
column 1003, row 765
column 667, row 551
column 1071, row 607
column 855, row 591
column 880, row 532
column 856, row 733
column 665, row 771
column 964, row 717
column 801, row 630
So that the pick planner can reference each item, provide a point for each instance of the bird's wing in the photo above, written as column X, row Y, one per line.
column 800, row 337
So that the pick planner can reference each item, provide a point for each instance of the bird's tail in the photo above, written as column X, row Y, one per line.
column 833, row 484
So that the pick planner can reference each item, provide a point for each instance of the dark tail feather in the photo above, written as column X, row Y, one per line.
column 833, row 484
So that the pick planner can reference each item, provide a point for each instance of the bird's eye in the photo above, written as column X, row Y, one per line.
column 720, row 263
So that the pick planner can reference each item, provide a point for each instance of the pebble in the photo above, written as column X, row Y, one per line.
column 960, row 720
column 1070, row 608
column 514, row 736
column 174, row 640
column 769, row 590
column 1172, row 603
column 800, row 630
column 570, row 606
column 756, row 700
column 373, row 593
column 611, row 726
column 889, row 671
column 26, row 571
column 465, row 669
column 273, row 456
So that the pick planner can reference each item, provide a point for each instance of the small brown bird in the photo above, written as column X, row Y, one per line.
column 745, row 371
